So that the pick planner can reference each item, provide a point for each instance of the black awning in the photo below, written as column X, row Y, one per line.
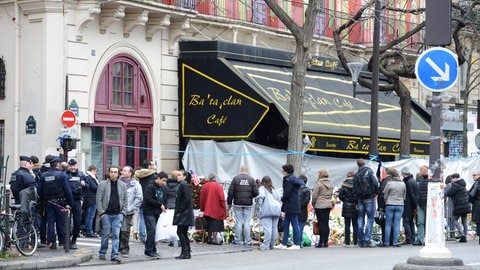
column 227, row 99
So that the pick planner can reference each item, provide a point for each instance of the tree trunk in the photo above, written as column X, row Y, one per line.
column 405, row 121
column 295, row 123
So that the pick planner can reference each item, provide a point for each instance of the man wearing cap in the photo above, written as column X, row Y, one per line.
column 214, row 208
column 410, row 206
column 78, row 183
column 23, row 186
column 55, row 189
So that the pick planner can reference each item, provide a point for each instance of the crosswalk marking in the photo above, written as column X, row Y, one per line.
column 88, row 242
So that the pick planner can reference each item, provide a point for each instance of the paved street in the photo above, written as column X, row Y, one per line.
column 226, row 257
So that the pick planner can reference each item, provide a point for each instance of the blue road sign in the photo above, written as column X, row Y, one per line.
column 437, row 69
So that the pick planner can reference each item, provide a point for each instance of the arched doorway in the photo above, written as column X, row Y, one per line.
column 122, row 131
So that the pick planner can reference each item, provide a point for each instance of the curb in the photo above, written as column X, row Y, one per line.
column 80, row 256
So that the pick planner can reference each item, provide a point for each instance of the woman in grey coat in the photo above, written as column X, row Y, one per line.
column 394, row 194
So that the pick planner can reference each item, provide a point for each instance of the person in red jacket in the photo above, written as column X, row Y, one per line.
column 214, row 208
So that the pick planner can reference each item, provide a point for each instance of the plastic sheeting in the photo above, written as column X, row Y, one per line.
column 226, row 158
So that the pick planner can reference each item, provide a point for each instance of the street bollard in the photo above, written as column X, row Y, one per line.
column 67, row 229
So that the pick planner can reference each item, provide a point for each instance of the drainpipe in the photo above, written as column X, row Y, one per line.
column 16, row 84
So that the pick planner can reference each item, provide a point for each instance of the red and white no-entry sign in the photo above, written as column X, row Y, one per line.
column 68, row 118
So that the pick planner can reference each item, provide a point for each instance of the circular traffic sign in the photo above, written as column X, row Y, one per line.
column 437, row 69
column 68, row 118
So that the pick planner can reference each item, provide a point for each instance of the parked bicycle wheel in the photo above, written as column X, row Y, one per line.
column 25, row 238
column 2, row 240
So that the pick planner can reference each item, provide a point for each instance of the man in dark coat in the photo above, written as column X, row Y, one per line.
column 243, row 189
column 461, row 206
column 145, row 175
column 422, row 181
column 410, row 206
column 474, row 198
column 366, row 204
column 305, row 197
column 290, row 207
column 24, row 186
column 153, row 206
column 349, row 208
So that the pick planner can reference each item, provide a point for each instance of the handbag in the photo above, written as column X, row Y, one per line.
column 379, row 217
column 315, row 227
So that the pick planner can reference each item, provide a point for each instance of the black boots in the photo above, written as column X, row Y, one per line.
column 73, row 244
column 184, row 255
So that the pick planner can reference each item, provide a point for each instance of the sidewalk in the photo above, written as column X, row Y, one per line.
column 87, row 254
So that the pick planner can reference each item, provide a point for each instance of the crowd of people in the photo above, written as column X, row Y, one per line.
column 129, row 202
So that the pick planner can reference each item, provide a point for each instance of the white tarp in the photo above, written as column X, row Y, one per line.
column 226, row 158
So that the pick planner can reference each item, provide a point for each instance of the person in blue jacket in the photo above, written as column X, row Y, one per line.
column 290, row 207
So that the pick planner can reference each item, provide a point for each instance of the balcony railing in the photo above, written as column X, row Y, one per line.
column 258, row 12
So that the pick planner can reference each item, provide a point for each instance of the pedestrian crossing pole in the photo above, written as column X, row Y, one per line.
column 67, row 229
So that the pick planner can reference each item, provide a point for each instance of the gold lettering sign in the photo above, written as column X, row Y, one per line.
column 350, row 144
column 219, row 103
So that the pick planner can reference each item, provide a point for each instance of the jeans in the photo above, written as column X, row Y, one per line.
column 151, row 224
column 323, row 216
column 141, row 225
column 270, row 232
column 366, row 207
column 110, row 224
column 293, row 219
column 242, row 214
column 301, row 225
column 463, row 231
column 421, row 217
column 354, row 224
column 89, row 219
column 393, row 215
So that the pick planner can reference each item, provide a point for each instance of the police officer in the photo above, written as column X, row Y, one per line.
column 54, row 188
column 23, row 186
column 78, row 182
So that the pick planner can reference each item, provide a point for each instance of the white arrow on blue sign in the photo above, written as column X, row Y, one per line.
column 437, row 69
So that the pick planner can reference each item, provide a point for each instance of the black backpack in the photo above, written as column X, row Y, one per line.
column 365, row 187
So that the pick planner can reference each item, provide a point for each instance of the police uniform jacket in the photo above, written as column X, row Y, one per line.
column 77, row 189
column 54, row 185
column 21, row 179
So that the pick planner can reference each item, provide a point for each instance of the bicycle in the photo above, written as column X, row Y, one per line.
column 20, row 232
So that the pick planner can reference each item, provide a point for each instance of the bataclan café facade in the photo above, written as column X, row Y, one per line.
column 235, row 92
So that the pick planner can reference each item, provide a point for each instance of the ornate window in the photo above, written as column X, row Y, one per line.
column 122, row 85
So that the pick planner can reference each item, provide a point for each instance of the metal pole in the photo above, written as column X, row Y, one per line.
column 436, row 137
column 373, row 147
column 67, row 229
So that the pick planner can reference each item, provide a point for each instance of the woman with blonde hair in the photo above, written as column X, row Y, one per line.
column 322, row 202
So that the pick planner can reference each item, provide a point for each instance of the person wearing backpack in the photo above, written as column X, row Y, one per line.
column 365, row 186
column 304, row 196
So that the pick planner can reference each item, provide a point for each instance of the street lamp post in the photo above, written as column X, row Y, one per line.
column 356, row 67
